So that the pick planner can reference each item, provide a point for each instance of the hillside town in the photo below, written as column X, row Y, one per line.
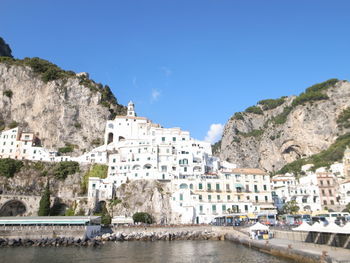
column 203, row 187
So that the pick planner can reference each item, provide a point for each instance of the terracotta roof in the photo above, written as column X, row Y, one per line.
column 248, row 171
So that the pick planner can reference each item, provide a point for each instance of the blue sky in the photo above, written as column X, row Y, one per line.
column 187, row 63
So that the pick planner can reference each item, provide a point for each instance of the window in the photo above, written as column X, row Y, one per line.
column 255, row 188
column 201, row 208
column 209, row 186
column 324, row 202
column 223, row 208
column 330, row 192
column 191, row 186
column 213, row 208
column 218, row 197
column 323, row 193
column 164, row 168
column 227, row 187
column 209, row 198
column 200, row 186
column 228, row 197
column 246, row 208
column 200, row 197
column 181, row 197
column 321, row 182
column 256, row 198
column 266, row 198
column 265, row 187
column 163, row 139
column 328, row 182
column 174, row 139
column 185, row 169
column 332, row 202
column 218, row 187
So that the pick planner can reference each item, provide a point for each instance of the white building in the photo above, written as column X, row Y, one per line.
column 304, row 191
column 202, row 187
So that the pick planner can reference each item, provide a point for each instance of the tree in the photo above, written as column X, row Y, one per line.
column 8, row 167
column 290, row 207
column 112, row 203
column 347, row 208
column 142, row 217
column 44, row 205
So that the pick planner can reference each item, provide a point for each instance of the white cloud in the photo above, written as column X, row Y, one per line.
column 167, row 71
column 214, row 133
column 155, row 95
column 134, row 83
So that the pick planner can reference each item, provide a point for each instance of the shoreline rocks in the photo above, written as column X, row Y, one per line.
column 114, row 237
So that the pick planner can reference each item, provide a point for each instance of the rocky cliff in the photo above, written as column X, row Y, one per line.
column 148, row 196
column 5, row 49
column 61, row 107
column 276, row 132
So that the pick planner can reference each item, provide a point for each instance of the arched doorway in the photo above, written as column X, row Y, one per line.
column 13, row 208
column 110, row 138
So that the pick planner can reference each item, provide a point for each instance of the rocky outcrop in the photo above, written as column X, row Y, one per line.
column 70, row 110
column 148, row 196
column 5, row 49
column 270, row 137
column 29, row 183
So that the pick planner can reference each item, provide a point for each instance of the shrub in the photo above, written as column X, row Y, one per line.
column 142, row 217
column 238, row 116
column 282, row 117
column 9, row 167
column 77, row 125
column 270, row 104
column 309, row 97
column 62, row 169
column 344, row 118
column 97, row 141
column 255, row 110
column 8, row 93
column 66, row 149
column 253, row 133
column 216, row 147
column 13, row 124
column 322, row 86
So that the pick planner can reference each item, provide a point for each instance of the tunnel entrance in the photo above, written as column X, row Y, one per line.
column 13, row 208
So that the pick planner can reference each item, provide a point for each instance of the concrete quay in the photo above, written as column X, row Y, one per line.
column 291, row 249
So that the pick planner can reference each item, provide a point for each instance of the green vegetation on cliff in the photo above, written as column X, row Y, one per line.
column 142, row 217
column 255, row 110
column 48, row 71
column 253, row 133
column 343, row 120
column 334, row 153
column 97, row 170
column 62, row 169
column 270, row 104
column 9, row 167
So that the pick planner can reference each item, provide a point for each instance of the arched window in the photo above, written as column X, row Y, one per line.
column 110, row 138
column 183, row 186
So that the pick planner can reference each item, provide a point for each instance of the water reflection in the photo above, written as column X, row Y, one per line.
column 141, row 252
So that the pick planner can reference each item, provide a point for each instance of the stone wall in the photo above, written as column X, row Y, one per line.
column 41, row 232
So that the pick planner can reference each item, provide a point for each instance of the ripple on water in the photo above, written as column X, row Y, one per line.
column 141, row 252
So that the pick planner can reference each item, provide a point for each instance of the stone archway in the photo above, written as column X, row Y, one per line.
column 13, row 208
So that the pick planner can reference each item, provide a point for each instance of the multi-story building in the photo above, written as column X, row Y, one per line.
column 328, row 185
column 202, row 187
column 304, row 191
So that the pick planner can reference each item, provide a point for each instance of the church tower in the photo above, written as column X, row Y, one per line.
column 346, row 163
column 131, row 109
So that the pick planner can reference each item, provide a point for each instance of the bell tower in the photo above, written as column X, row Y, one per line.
column 131, row 109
